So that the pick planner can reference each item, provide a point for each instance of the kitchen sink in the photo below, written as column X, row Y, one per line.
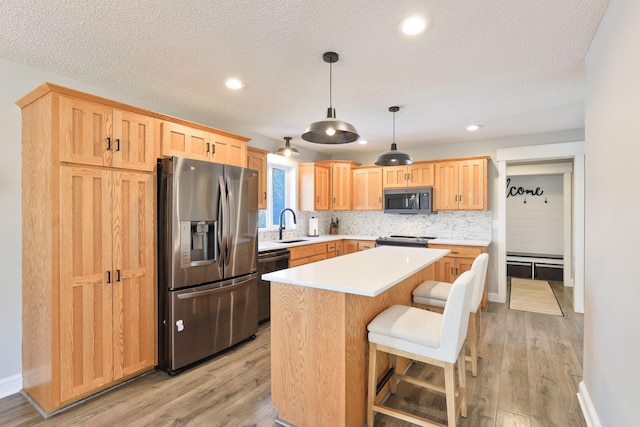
column 293, row 241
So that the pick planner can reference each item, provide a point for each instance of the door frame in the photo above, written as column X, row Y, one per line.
column 567, row 150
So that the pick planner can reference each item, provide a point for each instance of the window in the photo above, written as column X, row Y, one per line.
column 282, row 175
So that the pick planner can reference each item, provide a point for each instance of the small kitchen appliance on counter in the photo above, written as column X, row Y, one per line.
column 420, row 242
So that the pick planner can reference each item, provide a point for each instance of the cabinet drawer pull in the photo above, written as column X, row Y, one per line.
column 109, row 143
column 117, row 144
column 265, row 195
column 454, row 252
column 108, row 277
column 208, row 148
column 118, row 275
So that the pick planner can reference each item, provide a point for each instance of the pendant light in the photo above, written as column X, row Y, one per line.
column 287, row 151
column 393, row 157
column 330, row 130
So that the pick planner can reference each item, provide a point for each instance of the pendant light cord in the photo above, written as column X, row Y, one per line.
column 331, row 85
column 394, row 128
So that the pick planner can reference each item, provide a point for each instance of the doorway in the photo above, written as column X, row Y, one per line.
column 574, row 262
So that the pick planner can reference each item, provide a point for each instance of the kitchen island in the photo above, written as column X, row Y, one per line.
column 319, row 317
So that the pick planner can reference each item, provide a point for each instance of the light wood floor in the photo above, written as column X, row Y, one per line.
column 528, row 376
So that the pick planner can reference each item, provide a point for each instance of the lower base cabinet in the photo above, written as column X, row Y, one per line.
column 459, row 260
column 305, row 254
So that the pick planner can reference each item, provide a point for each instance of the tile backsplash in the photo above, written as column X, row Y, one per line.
column 474, row 225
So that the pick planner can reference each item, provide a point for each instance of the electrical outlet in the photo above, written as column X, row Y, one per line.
column 461, row 223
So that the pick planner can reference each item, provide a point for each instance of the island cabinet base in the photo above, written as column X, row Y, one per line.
column 319, row 356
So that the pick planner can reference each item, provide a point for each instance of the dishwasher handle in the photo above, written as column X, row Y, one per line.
column 276, row 257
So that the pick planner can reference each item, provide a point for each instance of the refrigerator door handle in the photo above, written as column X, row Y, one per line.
column 232, row 284
column 230, row 208
column 223, row 220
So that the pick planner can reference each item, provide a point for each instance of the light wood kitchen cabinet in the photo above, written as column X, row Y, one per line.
column 228, row 150
column 98, row 134
column 88, row 261
column 325, row 185
column 257, row 160
column 195, row 143
column 459, row 260
column 340, row 184
column 367, row 188
column 351, row 246
column 461, row 185
column 107, row 288
column 305, row 254
column 313, row 187
column 418, row 174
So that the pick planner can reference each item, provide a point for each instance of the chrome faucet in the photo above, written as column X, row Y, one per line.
column 281, row 227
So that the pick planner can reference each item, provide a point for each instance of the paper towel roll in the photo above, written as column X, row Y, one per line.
column 313, row 227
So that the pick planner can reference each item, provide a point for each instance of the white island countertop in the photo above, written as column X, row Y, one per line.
column 367, row 273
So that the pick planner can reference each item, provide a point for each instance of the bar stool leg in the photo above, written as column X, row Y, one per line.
column 450, row 387
column 372, row 383
column 462, row 385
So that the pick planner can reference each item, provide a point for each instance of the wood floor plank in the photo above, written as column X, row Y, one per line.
column 528, row 376
column 509, row 419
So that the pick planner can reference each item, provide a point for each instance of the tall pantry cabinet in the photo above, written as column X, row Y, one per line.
column 89, row 292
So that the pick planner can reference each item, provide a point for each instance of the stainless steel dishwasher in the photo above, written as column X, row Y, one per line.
column 268, row 261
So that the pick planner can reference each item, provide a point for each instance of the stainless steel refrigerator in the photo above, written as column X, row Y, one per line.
column 207, row 259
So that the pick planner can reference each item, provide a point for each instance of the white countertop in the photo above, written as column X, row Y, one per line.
column 307, row 240
column 368, row 273
column 275, row 244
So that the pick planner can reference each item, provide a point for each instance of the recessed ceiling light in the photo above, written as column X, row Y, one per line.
column 471, row 128
column 363, row 141
column 413, row 25
column 234, row 84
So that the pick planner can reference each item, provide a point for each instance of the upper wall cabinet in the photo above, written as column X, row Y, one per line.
column 195, row 143
column 96, row 134
column 367, row 188
column 461, row 185
column 257, row 160
column 325, row 185
column 418, row 174
column 313, row 187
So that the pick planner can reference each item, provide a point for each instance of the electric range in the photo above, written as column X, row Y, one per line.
column 414, row 241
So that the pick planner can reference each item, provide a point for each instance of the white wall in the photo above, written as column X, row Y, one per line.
column 612, row 290
column 534, row 223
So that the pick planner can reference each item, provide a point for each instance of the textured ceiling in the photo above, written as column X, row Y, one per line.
column 514, row 66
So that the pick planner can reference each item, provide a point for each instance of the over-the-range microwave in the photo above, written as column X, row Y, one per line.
column 408, row 200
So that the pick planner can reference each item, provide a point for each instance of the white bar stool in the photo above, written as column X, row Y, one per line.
column 433, row 296
column 427, row 337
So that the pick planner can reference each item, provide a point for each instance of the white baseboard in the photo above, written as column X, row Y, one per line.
column 493, row 297
column 10, row 385
column 588, row 410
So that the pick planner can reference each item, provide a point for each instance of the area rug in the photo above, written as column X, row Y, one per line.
column 535, row 296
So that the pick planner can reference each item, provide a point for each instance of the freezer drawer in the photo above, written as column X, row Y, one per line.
column 208, row 319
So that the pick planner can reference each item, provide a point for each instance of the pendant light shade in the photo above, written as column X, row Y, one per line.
column 330, row 130
column 393, row 157
column 287, row 151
